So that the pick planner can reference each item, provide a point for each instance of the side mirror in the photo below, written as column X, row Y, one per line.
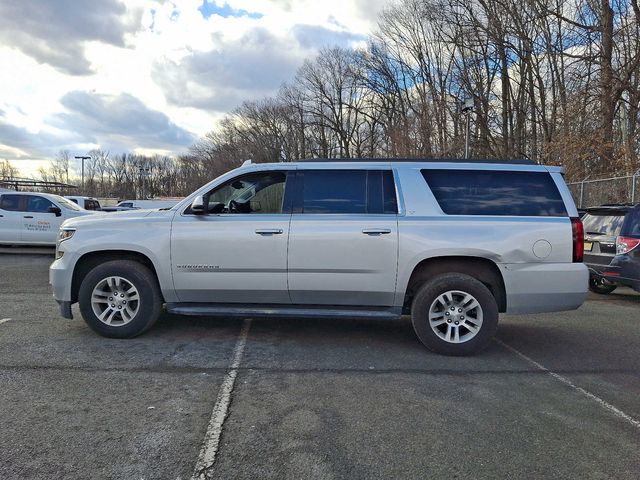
column 55, row 210
column 197, row 206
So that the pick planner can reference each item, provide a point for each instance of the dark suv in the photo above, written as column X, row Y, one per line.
column 611, row 251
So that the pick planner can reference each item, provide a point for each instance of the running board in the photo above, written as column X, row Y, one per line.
column 289, row 311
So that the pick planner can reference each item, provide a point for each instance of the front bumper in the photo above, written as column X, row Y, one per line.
column 60, row 279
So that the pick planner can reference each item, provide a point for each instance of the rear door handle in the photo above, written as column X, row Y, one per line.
column 269, row 231
column 28, row 216
column 376, row 231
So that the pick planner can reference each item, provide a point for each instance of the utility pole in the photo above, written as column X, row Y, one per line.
column 467, row 107
column 144, row 172
column 83, row 158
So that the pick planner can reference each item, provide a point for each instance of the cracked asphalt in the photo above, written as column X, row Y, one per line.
column 319, row 399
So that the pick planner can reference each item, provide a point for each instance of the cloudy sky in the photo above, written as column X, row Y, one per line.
column 150, row 76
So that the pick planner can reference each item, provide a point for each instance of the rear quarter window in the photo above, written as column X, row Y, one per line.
column 482, row 192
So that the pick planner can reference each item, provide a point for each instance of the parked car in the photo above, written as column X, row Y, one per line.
column 88, row 203
column 452, row 244
column 33, row 218
column 612, row 236
column 144, row 204
column 117, row 209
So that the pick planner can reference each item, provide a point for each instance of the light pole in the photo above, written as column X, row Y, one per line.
column 144, row 172
column 83, row 158
column 467, row 107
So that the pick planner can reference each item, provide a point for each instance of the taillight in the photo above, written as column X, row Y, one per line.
column 578, row 240
column 626, row 244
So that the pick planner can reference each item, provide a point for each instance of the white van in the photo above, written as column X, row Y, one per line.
column 34, row 218
column 88, row 203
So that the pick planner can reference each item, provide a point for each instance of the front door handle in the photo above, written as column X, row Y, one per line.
column 269, row 231
column 29, row 216
column 376, row 231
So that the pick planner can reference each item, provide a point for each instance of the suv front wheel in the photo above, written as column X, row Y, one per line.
column 454, row 314
column 120, row 299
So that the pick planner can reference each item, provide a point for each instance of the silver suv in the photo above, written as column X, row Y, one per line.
column 451, row 244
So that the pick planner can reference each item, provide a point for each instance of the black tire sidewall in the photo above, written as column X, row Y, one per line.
column 150, row 302
column 437, row 286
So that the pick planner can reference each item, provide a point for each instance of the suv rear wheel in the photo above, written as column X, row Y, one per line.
column 454, row 314
column 120, row 299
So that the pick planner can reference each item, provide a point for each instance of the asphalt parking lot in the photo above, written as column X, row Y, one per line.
column 556, row 396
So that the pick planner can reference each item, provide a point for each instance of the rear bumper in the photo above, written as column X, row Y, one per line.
column 545, row 287
column 623, row 270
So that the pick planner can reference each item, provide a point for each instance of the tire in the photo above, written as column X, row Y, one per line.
column 601, row 286
column 477, row 324
column 127, row 314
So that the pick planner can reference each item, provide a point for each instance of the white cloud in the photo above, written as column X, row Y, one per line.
column 165, row 59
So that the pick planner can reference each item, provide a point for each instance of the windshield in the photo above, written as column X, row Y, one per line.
column 67, row 204
column 603, row 224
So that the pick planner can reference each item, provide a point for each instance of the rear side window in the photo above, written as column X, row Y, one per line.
column 347, row 191
column 481, row 192
column 606, row 224
column 10, row 202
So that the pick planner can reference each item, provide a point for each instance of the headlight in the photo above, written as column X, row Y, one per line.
column 66, row 234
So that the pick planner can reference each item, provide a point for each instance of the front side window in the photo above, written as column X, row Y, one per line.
column 10, row 203
column 261, row 192
column 38, row 204
column 483, row 192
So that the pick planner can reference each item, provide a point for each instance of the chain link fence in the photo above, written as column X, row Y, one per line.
column 594, row 192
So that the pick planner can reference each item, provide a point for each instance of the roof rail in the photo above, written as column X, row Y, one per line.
column 521, row 161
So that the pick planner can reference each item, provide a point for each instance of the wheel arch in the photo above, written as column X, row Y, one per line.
column 92, row 259
column 482, row 269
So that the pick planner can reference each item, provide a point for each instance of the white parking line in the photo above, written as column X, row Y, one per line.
column 209, row 449
column 604, row 404
column 4, row 320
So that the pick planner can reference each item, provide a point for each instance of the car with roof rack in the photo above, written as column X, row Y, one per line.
column 34, row 218
column 611, row 246
column 451, row 243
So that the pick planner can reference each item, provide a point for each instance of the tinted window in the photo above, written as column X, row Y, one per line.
column 610, row 225
column 348, row 191
column 479, row 192
column 632, row 227
column 38, row 204
column 389, row 193
column 74, row 200
column 261, row 192
column 334, row 191
column 10, row 202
